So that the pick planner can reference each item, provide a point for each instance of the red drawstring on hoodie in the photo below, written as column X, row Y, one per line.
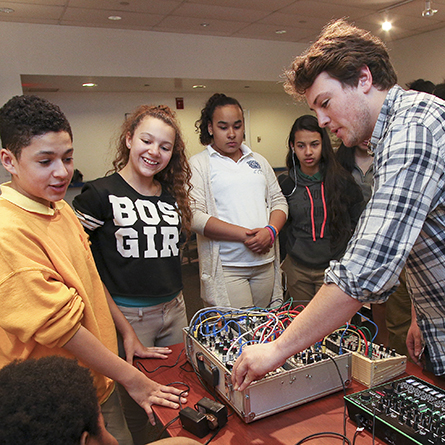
column 314, row 238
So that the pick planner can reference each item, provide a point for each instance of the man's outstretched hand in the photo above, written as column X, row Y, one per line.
column 254, row 363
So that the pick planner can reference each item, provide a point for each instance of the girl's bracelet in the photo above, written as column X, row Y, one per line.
column 274, row 229
column 272, row 234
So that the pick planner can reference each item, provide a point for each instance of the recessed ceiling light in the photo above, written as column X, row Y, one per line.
column 386, row 25
column 204, row 25
column 89, row 84
column 115, row 17
column 196, row 87
column 7, row 10
column 280, row 31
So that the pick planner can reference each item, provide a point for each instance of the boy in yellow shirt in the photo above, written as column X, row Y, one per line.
column 51, row 297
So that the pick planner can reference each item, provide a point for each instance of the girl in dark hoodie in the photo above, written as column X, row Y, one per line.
column 324, row 206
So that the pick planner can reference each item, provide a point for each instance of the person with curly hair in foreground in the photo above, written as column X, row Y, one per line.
column 39, row 408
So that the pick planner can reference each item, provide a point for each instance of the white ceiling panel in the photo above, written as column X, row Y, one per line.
column 257, row 19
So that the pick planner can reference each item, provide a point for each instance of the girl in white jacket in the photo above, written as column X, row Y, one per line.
column 238, row 211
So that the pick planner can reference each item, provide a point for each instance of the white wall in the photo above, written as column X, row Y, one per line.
column 69, row 50
column 420, row 57
column 64, row 50
column 96, row 119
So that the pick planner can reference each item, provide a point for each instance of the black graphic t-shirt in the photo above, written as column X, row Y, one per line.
column 135, row 238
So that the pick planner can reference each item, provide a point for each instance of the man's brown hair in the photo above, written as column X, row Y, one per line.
column 341, row 51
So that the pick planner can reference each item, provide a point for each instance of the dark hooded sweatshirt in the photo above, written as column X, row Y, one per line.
column 308, row 238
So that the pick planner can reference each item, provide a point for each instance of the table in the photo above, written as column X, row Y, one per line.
column 284, row 428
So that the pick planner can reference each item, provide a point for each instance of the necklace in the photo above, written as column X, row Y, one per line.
column 158, row 190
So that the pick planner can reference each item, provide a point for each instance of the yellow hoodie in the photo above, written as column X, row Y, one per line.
column 49, row 285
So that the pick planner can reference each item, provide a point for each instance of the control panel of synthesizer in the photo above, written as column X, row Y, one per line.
column 217, row 336
column 372, row 364
column 403, row 412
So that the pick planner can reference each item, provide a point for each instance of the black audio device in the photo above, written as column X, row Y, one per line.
column 403, row 412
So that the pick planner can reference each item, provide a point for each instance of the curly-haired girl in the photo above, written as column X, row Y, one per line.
column 135, row 217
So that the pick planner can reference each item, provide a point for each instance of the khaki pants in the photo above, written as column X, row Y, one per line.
column 302, row 282
column 398, row 316
column 250, row 286
column 159, row 325
column 114, row 419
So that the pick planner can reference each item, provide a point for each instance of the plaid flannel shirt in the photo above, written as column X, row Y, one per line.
column 405, row 219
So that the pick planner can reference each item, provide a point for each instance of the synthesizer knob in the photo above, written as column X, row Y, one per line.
column 388, row 390
column 366, row 397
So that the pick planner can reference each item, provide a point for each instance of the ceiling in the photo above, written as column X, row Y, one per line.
column 254, row 19
column 294, row 20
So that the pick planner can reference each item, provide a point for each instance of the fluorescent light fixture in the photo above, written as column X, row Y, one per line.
column 115, row 17
column 6, row 10
column 89, row 84
column 280, row 31
column 197, row 87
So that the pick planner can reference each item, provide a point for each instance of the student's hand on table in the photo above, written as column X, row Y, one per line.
column 254, row 363
column 415, row 343
column 133, row 347
column 147, row 392
column 154, row 352
column 258, row 240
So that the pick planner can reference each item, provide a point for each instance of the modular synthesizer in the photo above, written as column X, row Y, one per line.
column 372, row 364
column 215, row 338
